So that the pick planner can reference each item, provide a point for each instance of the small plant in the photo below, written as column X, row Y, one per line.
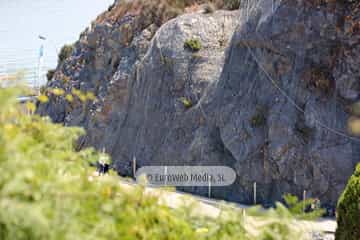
column 209, row 8
column 42, row 89
column 232, row 4
column 65, row 53
column 297, row 208
column 321, row 80
column 258, row 119
column 186, row 102
column 66, row 79
column 193, row 44
column 50, row 74
column 305, row 132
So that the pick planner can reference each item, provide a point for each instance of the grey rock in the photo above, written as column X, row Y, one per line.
column 269, row 91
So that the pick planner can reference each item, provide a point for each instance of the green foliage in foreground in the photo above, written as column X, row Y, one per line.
column 46, row 193
column 348, row 210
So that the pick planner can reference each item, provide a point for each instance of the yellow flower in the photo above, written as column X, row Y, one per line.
column 354, row 125
column 75, row 92
column 82, row 97
column 69, row 98
column 79, row 94
column 43, row 98
column 58, row 91
column 202, row 230
column 90, row 96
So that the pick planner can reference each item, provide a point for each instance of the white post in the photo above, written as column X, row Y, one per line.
column 134, row 166
column 254, row 193
column 209, row 190
column 165, row 175
column 304, row 199
column 41, row 57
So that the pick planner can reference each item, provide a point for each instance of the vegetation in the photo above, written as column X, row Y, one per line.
column 65, row 53
column 258, row 119
column 354, row 121
column 50, row 74
column 186, row 102
column 348, row 210
column 193, row 44
column 160, row 11
column 304, row 131
column 321, row 80
column 47, row 192
column 297, row 208
column 231, row 4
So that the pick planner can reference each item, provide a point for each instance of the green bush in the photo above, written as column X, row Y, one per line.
column 296, row 208
column 186, row 102
column 65, row 53
column 50, row 74
column 259, row 118
column 348, row 210
column 193, row 44
column 232, row 4
column 47, row 192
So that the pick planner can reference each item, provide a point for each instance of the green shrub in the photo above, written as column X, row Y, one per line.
column 47, row 192
column 348, row 210
column 50, row 74
column 65, row 53
column 304, row 131
column 296, row 208
column 258, row 119
column 232, row 4
column 186, row 102
column 193, row 44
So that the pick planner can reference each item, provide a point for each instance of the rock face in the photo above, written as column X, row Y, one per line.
column 267, row 94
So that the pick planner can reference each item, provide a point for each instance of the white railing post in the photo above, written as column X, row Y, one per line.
column 254, row 193
column 165, row 175
column 134, row 166
column 304, row 199
column 209, row 189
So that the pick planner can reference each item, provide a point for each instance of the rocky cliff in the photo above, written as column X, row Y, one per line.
column 268, row 93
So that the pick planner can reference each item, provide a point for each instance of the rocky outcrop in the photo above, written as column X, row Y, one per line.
column 267, row 94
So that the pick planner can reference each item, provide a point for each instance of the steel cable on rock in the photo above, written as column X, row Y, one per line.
column 273, row 82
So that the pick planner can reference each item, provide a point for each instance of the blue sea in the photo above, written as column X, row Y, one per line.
column 21, row 23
